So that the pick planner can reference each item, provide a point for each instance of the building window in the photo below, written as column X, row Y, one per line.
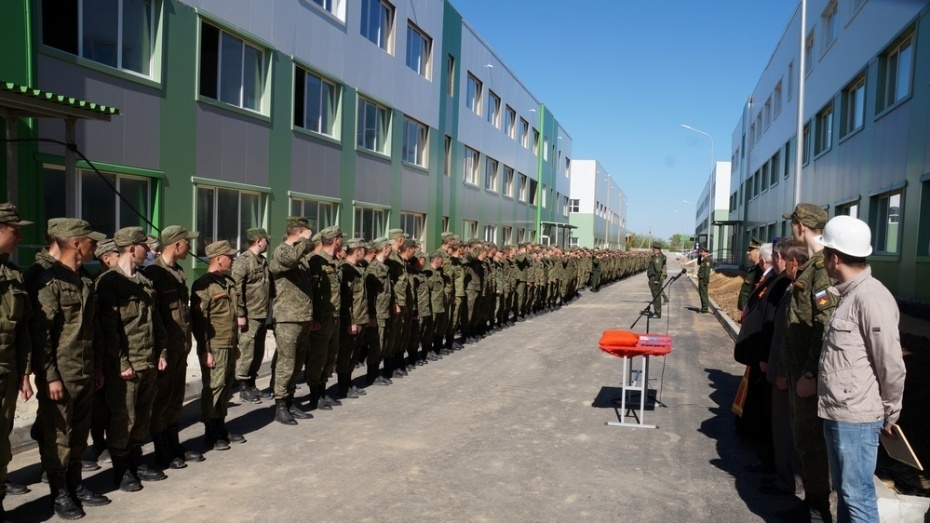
column 372, row 130
column 545, row 199
column 490, row 233
column 415, row 143
column 535, row 142
column 370, row 223
column 895, row 67
column 831, row 24
column 490, row 174
column 776, row 100
column 809, row 53
column 763, row 178
column 574, row 204
column 568, row 167
column 524, row 133
column 116, row 33
column 226, row 214
column 565, row 206
column 824, row 130
column 508, row 181
column 450, row 76
column 854, row 104
column 445, row 224
column 231, row 69
column 790, row 79
column 510, row 122
column 776, row 168
column 334, row 7
column 752, row 133
column 768, row 112
column 377, row 23
column 531, row 197
column 507, row 234
column 473, row 94
column 523, row 187
column 315, row 103
column 414, row 224
column 447, row 165
column 546, row 149
column 886, row 221
column 787, row 158
column 96, row 202
column 850, row 209
column 806, row 144
column 758, row 127
column 470, row 167
column 320, row 214
column 419, row 51
column 494, row 109
column 469, row 229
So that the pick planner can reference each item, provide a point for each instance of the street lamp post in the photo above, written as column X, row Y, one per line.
column 688, row 127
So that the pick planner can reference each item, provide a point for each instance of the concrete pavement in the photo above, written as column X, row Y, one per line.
column 508, row 429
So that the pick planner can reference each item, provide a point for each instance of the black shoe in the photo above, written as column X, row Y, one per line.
column 398, row 374
column 83, row 495
column 264, row 394
column 87, row 466
column 350, row 394
column 358, row 391
column 247, row 395
column 382, row 381
column 173, row 439
column 432, row 357
column 298, row 413
column 521, row 319
column 127, row 482
column 64, row 506
column 164, row 455
column 420, row 363
column 224, row 434
column 444, row 352
column 15, row 489
column 325, row 399
column 147, row 473
column 282, row 413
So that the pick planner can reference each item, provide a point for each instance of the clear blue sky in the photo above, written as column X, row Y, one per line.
column 623, row 75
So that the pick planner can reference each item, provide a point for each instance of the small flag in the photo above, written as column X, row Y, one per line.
column 821, row 298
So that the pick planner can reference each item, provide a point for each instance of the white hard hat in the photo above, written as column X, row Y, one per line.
column 848, row 235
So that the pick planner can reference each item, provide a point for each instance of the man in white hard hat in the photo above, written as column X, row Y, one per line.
column 861, row 371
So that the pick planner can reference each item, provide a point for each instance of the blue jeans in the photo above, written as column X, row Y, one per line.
column 852, row 450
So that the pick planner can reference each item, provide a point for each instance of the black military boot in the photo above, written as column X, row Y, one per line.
column 246, row 394
column 211, row 438
column 346, row 390
column 143, row 471
column 62, row 504
column 281, row 413
column 327, row 402
column 123, row 477
column 295, row 411
column 224, row 433
column 262, row 394
column 80, row 493
column 173, row 440
column 164, row 456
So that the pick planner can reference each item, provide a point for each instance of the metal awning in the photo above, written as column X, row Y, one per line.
column 20, row 101
column 727, row 222
column 560, row 225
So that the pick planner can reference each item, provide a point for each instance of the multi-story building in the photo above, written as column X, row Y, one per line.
column 865, row 133
column 597, row 207
column 712, row 211
column 369, row 114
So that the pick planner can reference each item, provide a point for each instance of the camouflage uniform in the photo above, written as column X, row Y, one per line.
column 253, row 294
column 293, row 310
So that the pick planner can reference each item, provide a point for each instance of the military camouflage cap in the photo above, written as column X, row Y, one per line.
column 151, row 241
column 394, row 234
column 73, row 228
column 809, row 215
column 331, row 232
column 175, row 233
column 435, row 254
column 356, row 243
column 52, row 224
column 10, row 216
column 105, row 246
column 220, row 248
column 656, row 245
column 255, row 233
column 446, row 236
column 410, row 243
column 754, row 243
column 419, row 254
column 130, row 236
column 315, row 238
column 297, row 221
column 380, row 243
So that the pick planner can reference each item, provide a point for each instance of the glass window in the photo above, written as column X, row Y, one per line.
column 886, row 223
column 809, row 53
column 370, row 223
column 415, row 143
column 97, row 202
column 507, row 234
column 573, row 205
column 768, row 112
column 776, row 168
column 523, row 187
column 445, row 224
column 830, row 24
column 372, row 130
column 490, row 174
column 776, row 101
column 470, row 168
column 850, row 209
column 226, row 214
column 806, row 144
column 447, row 167
column 508, row 181
column 535, row 142
column 490, row 233
column 790, row 79
column 231, row 69
column 378, row 23
column 450, row 76
column 531, row 197
column 473, row 94
column 897, row 69
column 854, row 101
column 524, row 133
column 470, row 229
column 117, row 33
column 546, row 149
column 419, row 51
column 510, row 122
column 824, row 130
column 315, row 102
column 414, row 224
column 494, row 109
column 320, row 214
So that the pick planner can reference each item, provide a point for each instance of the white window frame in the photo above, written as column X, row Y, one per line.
column 490, row 233
column 304, row 204
column 387, row 16
column 382, row 133
column 508, row 181
column 76, row 199
column 854, row 106
column 260, row 97
column 831, row 25
column 824, row 140
column 776, row 104
column 491, row 168
column 506, row 234
column 473, row 94
column 419, row 57
column 524, row 186
column 886, row 222
column 332, row 124
column 470, row 166
column 416, row 143
column 535, row 142
column 892, row 76
column 524, row 133
column 447, row 166
column 363, row 231
column 494, row 109
column 510, row 122
column 469, row 229
column 414, row 224
column 336, row 8
column 239, row 242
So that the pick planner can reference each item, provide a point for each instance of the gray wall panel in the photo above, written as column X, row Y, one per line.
column 314, row 166
column 373, row 179
column 231, row 147
column 415, row 191
column 891, row 140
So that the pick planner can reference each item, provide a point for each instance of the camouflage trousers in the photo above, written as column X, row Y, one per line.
column 65, row 423
column 169, row 394
column 291, row 339
column 322, row 352
column 9, row 386
column 375, row 338
column 130, row 403
column 807, row 429
column 251, row 349
column 216, row 383
column 348, row 347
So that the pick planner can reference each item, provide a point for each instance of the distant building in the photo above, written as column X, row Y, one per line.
column 597, row 207
column 865, row 139
column 712, row 213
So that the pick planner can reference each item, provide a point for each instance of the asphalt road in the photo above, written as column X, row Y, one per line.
column 508, row 429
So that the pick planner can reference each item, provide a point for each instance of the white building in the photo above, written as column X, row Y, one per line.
column 597, row 207
column 713, row 212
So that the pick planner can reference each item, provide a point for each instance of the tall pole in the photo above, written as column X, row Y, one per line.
column 688, row 127
column 607, row 225
column 799, row 154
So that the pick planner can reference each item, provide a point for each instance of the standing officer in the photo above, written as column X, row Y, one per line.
column 703, row 274
column 380, row 306
column 134, row 341
column 253, row 293
column 753, row 274
column 293, row 309
column 393, row 346
column 169, row 281
column 215, row 312
column 15, row 342
column 354, row 317
column 809, row 312
column 68, row 367
column 324, row 340
column 656, row 272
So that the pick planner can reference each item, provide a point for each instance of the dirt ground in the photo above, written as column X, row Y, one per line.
column 915, row 417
